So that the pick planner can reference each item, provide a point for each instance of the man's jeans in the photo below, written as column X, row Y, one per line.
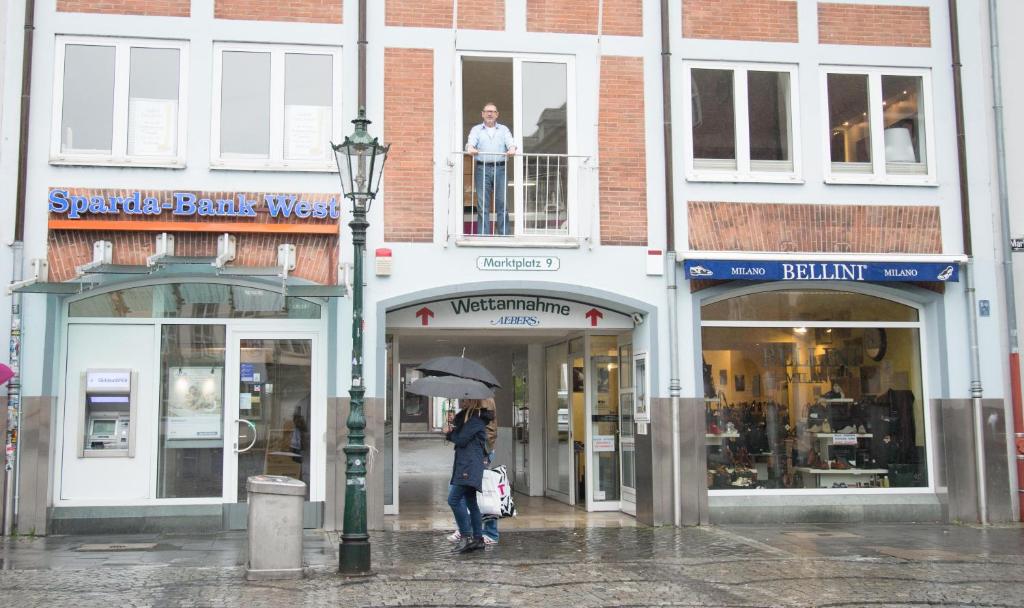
column 489, row 181
column 462, row 500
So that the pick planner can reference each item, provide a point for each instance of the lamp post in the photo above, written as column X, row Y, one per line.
column 360, row 161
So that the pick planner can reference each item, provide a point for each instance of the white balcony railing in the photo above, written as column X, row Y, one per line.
column 518, row 196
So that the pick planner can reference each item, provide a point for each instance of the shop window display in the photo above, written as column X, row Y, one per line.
column 816, row 400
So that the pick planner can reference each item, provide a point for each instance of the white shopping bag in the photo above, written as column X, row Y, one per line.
column 489, row 500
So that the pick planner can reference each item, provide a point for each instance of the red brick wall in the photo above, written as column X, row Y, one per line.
column 621, row 17
column 409, row 127
column 716, row 226
column 305, row 11
column 872, row 24
column 475, row 15
column 316, row 256
column 622, row 164
column 156, row 8
column 753, row 20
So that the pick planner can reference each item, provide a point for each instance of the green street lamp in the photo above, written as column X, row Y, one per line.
column 360, row 161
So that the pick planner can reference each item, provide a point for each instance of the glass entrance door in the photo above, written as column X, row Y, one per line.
column 558, row 432
column 604, row 417
column 270, row 399
column 628, row 394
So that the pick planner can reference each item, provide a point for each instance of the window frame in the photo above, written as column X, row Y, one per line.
column 743, row 171
column 879, row 174
column 276, row 160
column 573, row 202
column 922, row 326
column 118, row 155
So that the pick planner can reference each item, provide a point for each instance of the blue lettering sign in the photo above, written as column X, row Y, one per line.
column 188, row 204
column 772, row 270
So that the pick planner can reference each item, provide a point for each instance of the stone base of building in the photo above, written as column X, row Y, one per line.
column 162, row 519
column 826, row 509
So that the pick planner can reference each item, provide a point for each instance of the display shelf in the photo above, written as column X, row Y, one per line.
column 851, row 471
column 824, row 478
column 835, row 400
column 831, row 435
column 711, row 438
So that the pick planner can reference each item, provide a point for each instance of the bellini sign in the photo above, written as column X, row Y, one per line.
column 868, row 272
column 187, row 204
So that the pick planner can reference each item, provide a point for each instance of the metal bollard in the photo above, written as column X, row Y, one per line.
column 275, row 527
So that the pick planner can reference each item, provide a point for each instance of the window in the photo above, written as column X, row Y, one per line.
column 878, row 126
column 742, row 122
column 194, row 301
column 119, row 101
column 528, row 194
column 813, row 390
column 275, row 107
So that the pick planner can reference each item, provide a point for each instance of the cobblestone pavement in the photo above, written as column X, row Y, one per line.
column 847, row 565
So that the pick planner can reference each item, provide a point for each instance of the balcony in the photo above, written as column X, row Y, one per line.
column 517, row 200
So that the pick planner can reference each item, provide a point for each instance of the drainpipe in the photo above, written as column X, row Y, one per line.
column 969, row 291
column 671, row 289
column 1004, row 212
column 361, row 46
column 14, row 401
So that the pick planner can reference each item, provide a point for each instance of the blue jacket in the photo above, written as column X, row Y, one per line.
column 470, row 439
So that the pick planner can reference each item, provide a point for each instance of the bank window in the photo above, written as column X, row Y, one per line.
column 824, row 399
column 742, row 122
column 119, row 101
column 193, row 301
column 519, row 174
column 879, row 126
column 275, row 107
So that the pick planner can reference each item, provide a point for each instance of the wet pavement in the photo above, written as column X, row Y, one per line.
column 797, row 565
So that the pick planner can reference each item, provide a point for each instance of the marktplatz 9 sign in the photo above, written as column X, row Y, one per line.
column 507, row 311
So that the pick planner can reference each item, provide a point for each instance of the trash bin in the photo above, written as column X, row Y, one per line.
column 275, row 527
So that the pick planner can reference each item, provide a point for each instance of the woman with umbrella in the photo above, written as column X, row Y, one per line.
column 468, row 381
column 469, row 434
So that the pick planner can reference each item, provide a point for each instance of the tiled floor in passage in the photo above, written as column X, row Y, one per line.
column 424, row 471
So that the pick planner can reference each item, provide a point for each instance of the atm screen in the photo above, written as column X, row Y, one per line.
column 103, row 427
column 108, row 398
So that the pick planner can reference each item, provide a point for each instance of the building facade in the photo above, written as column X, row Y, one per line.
column 764, row 328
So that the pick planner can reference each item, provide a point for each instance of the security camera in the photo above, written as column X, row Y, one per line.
column 638, row 318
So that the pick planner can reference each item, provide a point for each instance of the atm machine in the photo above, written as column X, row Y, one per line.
column 108, row 400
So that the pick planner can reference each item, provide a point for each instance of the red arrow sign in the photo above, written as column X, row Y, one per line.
column 424, row 314
column 594, row 314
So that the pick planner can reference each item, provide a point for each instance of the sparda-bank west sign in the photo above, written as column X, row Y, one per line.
column 126, row 204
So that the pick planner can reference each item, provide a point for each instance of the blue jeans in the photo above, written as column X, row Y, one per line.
column 490, row 525
column 459, row 498
column 489, row 181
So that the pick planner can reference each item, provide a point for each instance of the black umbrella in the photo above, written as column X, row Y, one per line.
column 450, row 387
column 461, row 367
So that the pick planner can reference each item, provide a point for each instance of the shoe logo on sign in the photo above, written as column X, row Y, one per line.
column 946, row 273
column 700, row 271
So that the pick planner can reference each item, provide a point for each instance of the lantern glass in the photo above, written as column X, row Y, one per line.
column 360, row 160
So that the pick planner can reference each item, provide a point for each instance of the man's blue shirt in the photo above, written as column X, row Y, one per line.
column 492, row 146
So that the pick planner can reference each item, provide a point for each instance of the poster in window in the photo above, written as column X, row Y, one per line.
column 307, row 129
column 195, row 403
column 152, row 127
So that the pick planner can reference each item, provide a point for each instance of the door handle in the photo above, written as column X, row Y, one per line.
column 251, row 426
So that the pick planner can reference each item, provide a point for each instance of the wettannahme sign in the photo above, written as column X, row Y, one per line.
column 126, row 204
column 508, row 311
column 868, row 272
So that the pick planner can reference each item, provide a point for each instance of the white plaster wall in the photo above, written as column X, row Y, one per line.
column 201, row 30
column 951, row 378
column 617, row 270
column 11, row 31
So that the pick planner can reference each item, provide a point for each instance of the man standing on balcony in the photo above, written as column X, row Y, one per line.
column 490, row 144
